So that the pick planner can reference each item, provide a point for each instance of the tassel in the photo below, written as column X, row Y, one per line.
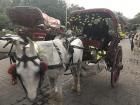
column 43, row 66
column 12, row 71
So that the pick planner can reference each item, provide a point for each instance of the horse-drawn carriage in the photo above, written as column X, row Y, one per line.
column 98, row 29
column 96, row 37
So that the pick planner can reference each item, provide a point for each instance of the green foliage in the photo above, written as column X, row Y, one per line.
column 74, row 7
column 6, row 31
column 15, row 2
column 54, row 8
column 3, row 20
column 122, row 19
column 136, row 19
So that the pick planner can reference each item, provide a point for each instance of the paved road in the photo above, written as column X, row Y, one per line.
column 96, row 89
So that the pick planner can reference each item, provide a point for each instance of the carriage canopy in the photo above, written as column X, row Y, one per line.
column 83, row 18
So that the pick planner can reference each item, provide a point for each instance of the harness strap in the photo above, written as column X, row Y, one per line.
column 25, row 59
column 59, row 53
column 67, row 42
column 55, row 66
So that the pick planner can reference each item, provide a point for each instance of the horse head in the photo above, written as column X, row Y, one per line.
column 29, row 68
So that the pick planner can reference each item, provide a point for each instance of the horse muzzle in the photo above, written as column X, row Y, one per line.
column 31, row 96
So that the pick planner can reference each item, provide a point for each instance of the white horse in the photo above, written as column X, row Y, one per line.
column 30, row 69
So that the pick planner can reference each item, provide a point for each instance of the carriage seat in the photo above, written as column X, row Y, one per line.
column 98, row 34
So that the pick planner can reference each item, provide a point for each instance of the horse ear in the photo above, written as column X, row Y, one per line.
column 18, row 49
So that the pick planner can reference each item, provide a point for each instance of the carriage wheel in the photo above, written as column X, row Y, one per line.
column 117, row 66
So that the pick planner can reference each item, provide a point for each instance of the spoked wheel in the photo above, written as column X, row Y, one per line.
column 117, row 66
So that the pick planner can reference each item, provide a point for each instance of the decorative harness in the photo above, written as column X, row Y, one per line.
column 12, row 70
column 25, row 58
column 43, row 65
column 60, row 56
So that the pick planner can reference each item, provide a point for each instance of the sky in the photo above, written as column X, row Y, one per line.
column 129, row 8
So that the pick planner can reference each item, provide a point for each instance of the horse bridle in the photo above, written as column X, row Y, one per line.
column 25, row 59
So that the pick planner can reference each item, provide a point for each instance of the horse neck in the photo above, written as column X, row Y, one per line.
column 49, row 48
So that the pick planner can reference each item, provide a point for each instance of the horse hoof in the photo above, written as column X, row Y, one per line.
column 78, row 89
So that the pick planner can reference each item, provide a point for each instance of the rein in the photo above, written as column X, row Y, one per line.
column 54, row 66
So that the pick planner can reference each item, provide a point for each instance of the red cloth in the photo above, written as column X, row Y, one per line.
column 11, row 68
column 11, row 71
column 44, row 66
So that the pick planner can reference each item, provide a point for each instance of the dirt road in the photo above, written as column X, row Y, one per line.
column 96, row 89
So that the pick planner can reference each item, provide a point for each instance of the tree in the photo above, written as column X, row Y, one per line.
column 74, row 7
column 54, row 8
column 122, row 19
column 3, row 21
column 136, row 19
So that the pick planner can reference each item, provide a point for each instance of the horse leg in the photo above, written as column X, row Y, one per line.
column 55, row 93
column 52, row 84
column 78, row 78
column 51, row 99
column 58, row 90
column 84, row 69
column 74, row 74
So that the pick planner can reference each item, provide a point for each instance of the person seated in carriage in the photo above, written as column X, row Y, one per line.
column 98, row 32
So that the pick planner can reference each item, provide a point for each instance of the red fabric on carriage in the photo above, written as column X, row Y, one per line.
column 10, row 71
